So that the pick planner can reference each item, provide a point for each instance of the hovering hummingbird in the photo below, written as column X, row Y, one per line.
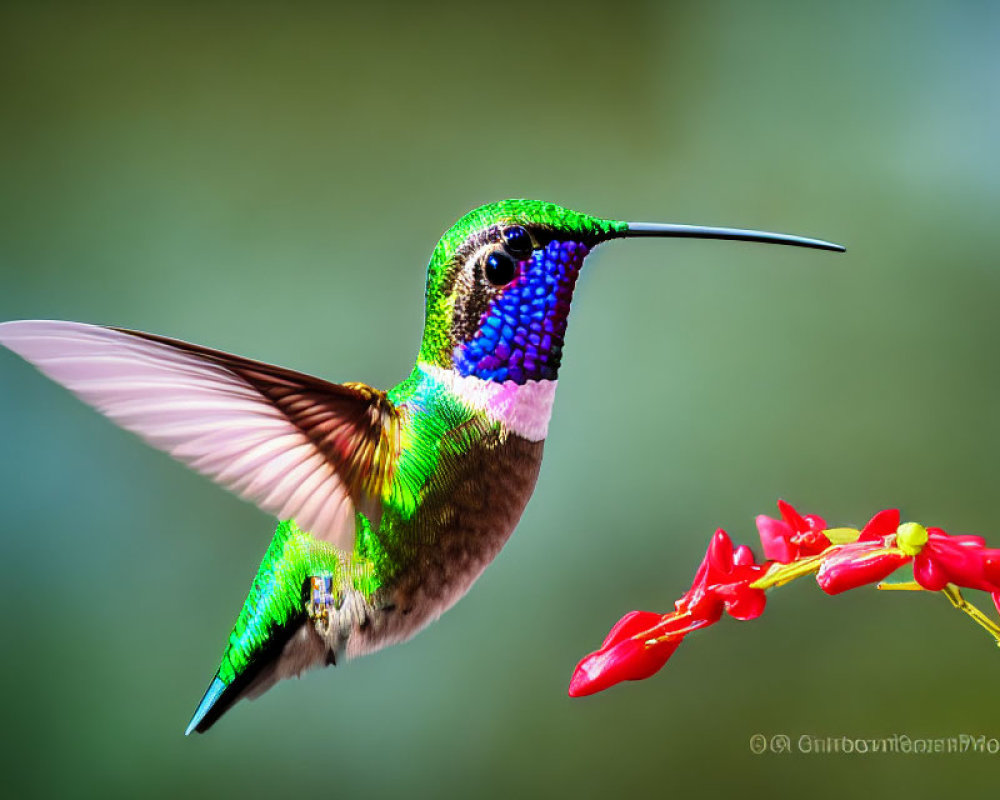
column 391, row 503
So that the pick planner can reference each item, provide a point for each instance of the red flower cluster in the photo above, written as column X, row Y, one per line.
column 730, row 580
column 642, row 641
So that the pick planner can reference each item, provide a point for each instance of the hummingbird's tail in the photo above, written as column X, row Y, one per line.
column 209, row 701
column 273, row 637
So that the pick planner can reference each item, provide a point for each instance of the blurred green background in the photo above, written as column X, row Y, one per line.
column 272, row 181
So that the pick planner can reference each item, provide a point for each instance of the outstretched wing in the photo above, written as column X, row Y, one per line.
column 297, row 446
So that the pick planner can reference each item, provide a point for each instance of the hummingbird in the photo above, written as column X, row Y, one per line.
column 390, row 503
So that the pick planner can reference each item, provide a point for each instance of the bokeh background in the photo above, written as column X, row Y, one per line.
column 272, row 180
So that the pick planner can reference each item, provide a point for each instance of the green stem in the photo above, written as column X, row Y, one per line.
column 780, row 574
column 902, row 586
column 954, row 595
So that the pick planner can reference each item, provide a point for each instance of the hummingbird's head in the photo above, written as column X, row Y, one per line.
column 501, row 279
column 499, row 287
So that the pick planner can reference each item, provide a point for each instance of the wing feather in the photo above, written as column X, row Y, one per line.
column 298, row 446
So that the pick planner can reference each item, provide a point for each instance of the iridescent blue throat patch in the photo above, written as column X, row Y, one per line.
column 520, row 337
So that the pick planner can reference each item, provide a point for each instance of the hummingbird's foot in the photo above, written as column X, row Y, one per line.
column 324, row 601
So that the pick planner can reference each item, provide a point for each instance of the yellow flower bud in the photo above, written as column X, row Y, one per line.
column 911, row 537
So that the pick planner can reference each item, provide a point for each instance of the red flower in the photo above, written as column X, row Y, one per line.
column 872, row 558
column 632, row 651
column 793, row 536
column 854, row 565
column 722, row 582
column 962, row 560
column 641, row 642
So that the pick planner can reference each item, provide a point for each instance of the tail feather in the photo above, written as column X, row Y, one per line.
column 208, row 702
column 289, row 652
column 272, row 638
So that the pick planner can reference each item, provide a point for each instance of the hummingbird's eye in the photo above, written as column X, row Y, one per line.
column 499, row 268
column 518, row 241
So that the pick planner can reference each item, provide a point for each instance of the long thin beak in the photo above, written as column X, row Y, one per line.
column 739, row 234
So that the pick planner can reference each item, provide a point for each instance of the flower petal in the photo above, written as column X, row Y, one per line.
column 743, row 556
column 883, row 524
column 631, row 624
column 792, row 517
column 747, row 605
column 816, row 522
column 720, row 552
column 775, row 536
column 629, row 660
column 991, row 568
column 854, row 565
column 928, row 572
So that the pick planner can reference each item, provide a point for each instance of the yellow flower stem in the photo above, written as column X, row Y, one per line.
column 678, row 633
column 780, row 574
column 954, row 595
